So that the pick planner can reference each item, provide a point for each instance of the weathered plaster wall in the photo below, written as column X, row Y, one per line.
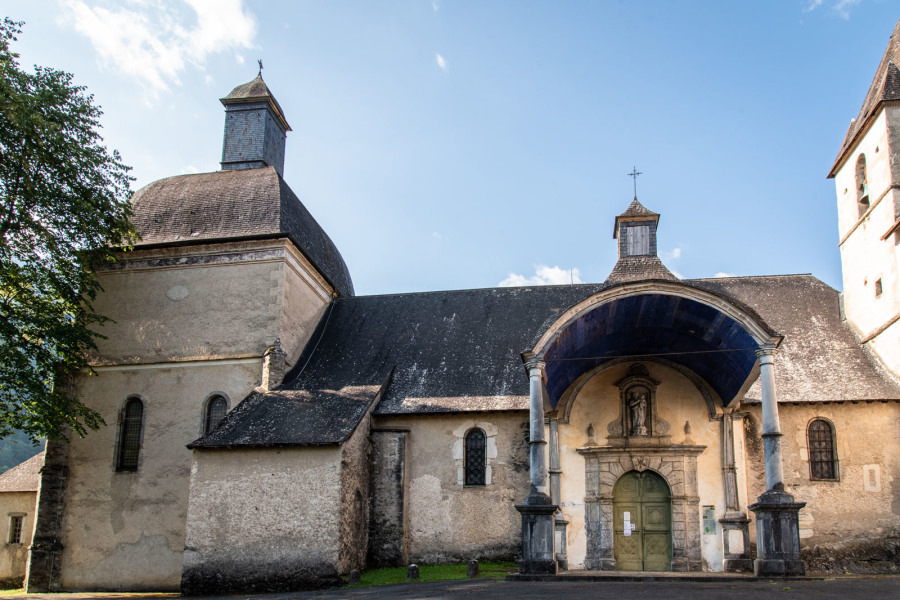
column 125, row 530
column 305, row 298
column 387, row 544
column 209, row 301
column 678, row 401
column 355, row 472
column 447, row 520
column 188, row 322
column 866, row 258
column 14, row 556
column 263, row 520
column 865, row 502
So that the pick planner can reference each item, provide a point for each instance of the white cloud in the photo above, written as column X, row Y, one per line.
column 436, row 235
column 674, row 254
column 153, row 41
column 435, row 5
column 840, row 7
column 543, row 275
column 813, row 5
column 723, row 274
column 441, row 62
column 677, row 274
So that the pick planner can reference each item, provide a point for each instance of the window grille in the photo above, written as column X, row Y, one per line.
column 215, row 412
column 130, row 436
column 16, row 525
column 822, row 457
column 475, row 457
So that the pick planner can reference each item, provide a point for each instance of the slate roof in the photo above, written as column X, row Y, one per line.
column 885, row 88
column 634, row 211
column 24, row 477
column 639, row 268
column 235, row 204
column 255, row 91
column 293, row 418
column 820, row 358
column 459, row 351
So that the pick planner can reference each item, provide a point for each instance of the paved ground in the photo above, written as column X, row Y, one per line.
column 851, row 588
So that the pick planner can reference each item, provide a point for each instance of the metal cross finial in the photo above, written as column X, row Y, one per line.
column 634, row 175
column 259, row 60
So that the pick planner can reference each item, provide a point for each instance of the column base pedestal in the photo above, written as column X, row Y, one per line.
column 538, row 556
column 738, row 565
column 763, row 567
column 777, row 534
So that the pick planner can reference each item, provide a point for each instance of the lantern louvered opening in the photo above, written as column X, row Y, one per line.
column 822, row 458
column 475, row 457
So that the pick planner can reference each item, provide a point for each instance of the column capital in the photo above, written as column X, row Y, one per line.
column 766, row 353
column 533, row 364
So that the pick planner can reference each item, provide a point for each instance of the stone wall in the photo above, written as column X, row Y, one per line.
column 853, row 522
column 189, row 322
column 447, row 520
column 264, row 520
column 678, row 401
column 355, row 480
column 388, row 513
column 14, row 556
column 867, row 260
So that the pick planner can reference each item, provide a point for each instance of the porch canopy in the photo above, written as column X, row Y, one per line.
column 712, row 336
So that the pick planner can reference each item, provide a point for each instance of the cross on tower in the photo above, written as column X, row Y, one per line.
column 634, row 175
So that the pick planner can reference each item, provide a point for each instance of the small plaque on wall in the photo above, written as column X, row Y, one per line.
column 709, row 520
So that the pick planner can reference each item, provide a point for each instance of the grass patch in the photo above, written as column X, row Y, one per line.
column 18, row 592
column 391, row 575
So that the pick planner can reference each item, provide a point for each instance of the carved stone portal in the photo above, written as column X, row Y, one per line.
column 677, row 464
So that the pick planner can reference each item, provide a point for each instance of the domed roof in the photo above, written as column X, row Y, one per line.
column 233, row 204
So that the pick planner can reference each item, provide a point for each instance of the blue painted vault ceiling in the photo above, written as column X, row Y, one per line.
column 693, row 334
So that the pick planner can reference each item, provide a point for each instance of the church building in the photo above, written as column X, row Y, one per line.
column 268, row 429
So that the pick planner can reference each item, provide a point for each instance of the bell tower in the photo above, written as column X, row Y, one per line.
column 867, row 179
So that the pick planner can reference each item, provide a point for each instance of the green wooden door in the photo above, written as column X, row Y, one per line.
column 642, row 528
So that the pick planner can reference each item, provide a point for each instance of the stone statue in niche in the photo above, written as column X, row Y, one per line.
column 637, row 407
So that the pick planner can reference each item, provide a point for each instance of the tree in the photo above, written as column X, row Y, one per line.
column 63, row 208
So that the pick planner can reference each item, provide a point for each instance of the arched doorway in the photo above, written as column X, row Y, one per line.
column 642, row 522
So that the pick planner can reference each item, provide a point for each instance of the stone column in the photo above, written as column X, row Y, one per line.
column 771, row 426
column 555, row 492
column 538, row 556
column 777, row 515
column 737, row 559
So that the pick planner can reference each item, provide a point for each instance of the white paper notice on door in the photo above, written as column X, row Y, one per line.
column 627, row 525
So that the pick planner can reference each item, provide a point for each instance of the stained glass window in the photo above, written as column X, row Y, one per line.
column 130, row 435
column 475, row 457
column 215, row 412
column 822, row 457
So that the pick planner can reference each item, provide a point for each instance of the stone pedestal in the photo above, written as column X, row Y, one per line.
column 777, row 534
column 538, row 556
column 737, row 557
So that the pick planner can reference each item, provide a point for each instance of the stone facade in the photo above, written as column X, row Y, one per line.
column 411, row 427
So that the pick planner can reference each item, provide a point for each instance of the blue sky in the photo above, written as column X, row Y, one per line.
column 460, row 144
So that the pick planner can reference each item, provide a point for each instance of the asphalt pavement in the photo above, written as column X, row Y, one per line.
column 843, row 587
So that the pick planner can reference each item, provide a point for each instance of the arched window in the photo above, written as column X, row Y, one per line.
column 130, row 435
column 215, row 412
column 862, row 186
column 475, row 457
column 823, row 462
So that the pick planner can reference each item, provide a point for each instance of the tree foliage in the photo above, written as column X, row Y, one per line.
column 63, row 206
